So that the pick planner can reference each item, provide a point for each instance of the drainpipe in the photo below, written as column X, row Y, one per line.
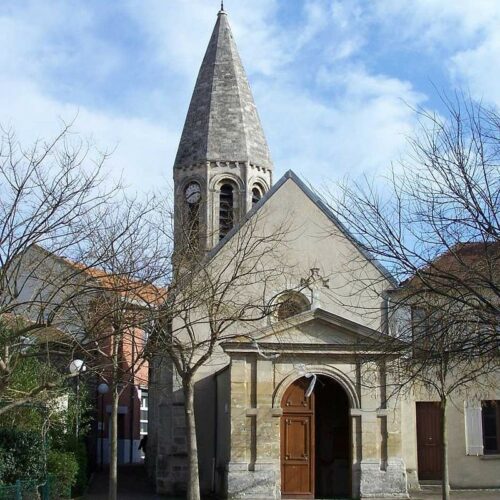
column 216, row 420
column 132, row 415
column 131, row 423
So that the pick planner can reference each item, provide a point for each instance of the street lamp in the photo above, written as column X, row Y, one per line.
column 102, row 389
column 76, row 368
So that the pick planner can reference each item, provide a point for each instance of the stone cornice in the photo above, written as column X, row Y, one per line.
column 294, row 348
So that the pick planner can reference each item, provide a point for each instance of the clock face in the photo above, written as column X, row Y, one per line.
column 192, row 193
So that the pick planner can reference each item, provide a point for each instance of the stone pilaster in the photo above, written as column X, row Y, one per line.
column 382, row 472
column 254, row 468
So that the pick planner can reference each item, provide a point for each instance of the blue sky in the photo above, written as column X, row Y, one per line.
column 334, row 81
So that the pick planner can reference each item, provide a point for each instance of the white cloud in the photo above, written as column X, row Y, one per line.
column 32, row 102
column 326, row 107
column 362, row 130
column 140, row 150
column 478, row 70
column 316, row 133
column 463, row 34
column 179, row 33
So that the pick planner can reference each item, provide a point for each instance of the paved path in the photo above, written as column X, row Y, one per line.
column 434, row 492
column 133, row 485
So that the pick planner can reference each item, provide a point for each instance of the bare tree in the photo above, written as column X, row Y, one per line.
column 434, row 224
column 47, row 193
column 131, row 259
column 215, row 298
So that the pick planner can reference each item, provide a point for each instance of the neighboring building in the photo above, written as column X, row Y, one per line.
column 260, row 433
column 132, row 412
column 133, row 403
column 45, row 282
column 441, row 304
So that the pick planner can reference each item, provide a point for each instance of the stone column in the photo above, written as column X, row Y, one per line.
column 356, row 450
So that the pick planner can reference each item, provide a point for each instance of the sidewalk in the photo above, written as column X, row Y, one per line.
column 132, row 485
column 434, row 493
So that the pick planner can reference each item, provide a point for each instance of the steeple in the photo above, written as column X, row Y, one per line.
column 223, row 166
column 222, row 123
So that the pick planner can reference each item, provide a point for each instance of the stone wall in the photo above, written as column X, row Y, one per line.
column 166, row 460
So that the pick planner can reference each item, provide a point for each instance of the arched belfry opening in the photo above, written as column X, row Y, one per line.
column 192, row 214
column 315, row 440
column 226, row 209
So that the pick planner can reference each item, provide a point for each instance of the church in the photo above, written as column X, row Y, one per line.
column 290, row 412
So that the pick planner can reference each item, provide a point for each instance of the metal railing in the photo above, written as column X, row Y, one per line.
column 48, row 489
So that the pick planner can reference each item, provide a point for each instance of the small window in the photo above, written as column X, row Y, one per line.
column 192, row 196
column 226, row 210
column 256, row 195
column 290, row 304
column 491, row 427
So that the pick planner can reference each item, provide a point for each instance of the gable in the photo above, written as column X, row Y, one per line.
column 314, row 241
column 289, row 179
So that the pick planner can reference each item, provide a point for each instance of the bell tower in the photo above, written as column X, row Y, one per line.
column 223, row 166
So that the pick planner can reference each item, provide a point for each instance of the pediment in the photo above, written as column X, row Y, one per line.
column 317, row 330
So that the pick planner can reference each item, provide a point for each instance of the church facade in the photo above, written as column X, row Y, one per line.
column 294, row 411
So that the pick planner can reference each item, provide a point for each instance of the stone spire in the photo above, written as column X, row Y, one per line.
column 222, row 124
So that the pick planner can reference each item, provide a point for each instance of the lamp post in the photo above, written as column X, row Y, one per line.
column 76, row 368
column 102, row 389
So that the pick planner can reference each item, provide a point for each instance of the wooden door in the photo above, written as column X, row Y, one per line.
column 429, row 443
column 297, row 442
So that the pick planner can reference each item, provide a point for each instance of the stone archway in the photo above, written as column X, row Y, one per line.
column 315, row 443
column 330, row 371
column 333, row 455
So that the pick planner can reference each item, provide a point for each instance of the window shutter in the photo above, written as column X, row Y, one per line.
column 473, row 428
column 399, row 317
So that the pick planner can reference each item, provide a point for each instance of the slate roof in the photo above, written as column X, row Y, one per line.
column 474, row 263
column 222, row 123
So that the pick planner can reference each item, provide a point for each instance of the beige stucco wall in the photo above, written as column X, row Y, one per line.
column 310, row 240
column 466, row 471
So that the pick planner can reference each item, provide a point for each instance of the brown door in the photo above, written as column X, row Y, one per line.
column 429, row 444
column 297, row 442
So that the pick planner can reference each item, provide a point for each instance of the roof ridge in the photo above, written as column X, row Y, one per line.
column 316, row 199
column 238, row 86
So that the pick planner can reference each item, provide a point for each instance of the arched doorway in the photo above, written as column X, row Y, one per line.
column 315, row 441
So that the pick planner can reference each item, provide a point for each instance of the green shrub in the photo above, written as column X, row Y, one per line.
column 63, row 467
column 80, row 452
column 27, row 451
column 69, row 443
column 7, row 465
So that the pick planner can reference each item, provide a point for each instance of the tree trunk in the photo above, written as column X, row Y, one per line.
column 113, row 456
column 444, row 437
column 193, row 485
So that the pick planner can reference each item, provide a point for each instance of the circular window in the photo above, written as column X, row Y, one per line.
column 290, row 304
